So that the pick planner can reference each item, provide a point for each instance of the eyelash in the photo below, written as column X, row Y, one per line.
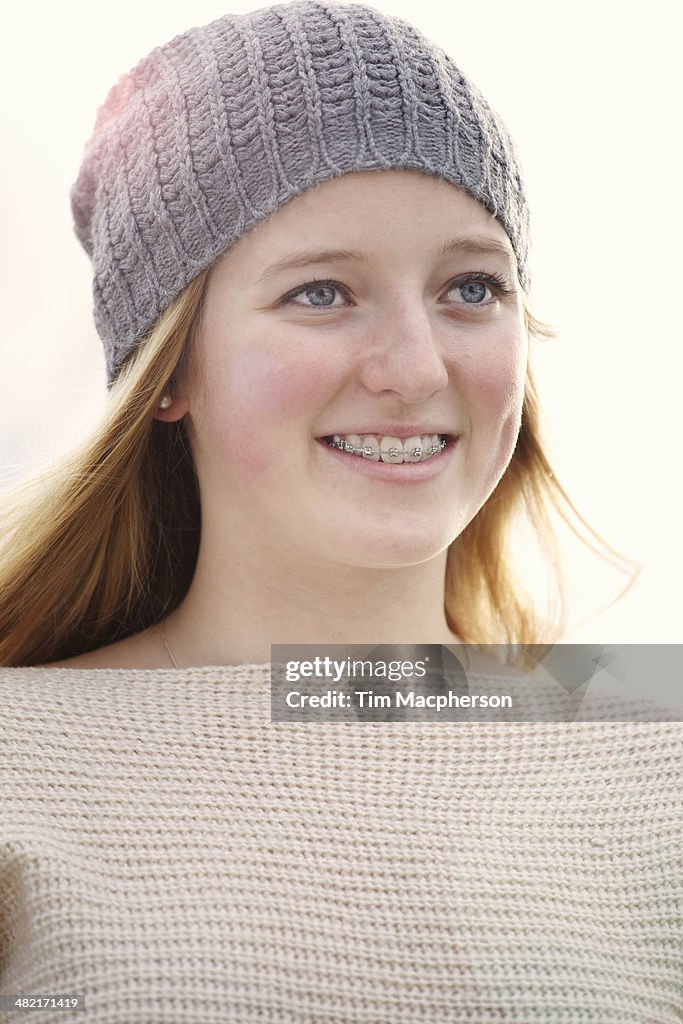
column 496, row 283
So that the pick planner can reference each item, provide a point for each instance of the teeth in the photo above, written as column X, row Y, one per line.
column 352, row 442
column 390, row 449
column 413, row 449
column 370, row 447
column 426, row 446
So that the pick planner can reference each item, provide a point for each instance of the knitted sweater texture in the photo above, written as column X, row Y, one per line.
column 172, row 855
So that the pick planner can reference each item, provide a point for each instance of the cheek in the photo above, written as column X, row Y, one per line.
column 259, row 401
column 274, row 387
column 497, row 382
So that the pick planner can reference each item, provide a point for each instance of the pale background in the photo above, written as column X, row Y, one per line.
column 590, row 92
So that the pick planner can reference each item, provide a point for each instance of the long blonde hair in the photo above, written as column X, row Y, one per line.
column 107, row 544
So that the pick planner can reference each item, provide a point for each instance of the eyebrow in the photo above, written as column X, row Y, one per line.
column 485, row 246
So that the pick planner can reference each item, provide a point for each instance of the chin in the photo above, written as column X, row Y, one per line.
column 388, row 553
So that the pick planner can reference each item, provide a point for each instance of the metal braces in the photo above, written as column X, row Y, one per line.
column 346, row 446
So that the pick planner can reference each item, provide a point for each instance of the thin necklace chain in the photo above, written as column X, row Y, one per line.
column 166, row 645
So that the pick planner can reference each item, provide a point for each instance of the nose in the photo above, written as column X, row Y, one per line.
column 403, row 354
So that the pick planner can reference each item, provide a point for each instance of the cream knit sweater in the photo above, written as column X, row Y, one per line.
column 173, row 856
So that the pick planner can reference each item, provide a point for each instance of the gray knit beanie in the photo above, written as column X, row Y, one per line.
column 212, row 132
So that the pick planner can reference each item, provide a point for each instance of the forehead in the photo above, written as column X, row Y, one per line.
column 374, row 211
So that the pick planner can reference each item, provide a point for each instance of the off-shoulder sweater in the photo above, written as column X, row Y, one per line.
column 172, row 855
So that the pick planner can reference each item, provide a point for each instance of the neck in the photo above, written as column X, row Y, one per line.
column 238, row 606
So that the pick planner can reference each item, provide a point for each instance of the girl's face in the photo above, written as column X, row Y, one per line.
column 382, row 304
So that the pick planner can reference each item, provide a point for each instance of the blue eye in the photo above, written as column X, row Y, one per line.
column 473, row 287
column 321, row 294
column 475, row 291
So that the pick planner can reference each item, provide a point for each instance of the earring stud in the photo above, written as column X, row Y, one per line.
column 165, row 402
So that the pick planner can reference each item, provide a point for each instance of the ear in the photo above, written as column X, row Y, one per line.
column 176, row 410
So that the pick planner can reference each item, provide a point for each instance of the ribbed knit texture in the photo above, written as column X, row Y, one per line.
column 171, row 854
column 212, row 132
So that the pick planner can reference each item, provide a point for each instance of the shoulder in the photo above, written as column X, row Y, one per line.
column 143, row 650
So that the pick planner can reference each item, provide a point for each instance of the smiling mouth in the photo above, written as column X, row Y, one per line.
column 391, row 449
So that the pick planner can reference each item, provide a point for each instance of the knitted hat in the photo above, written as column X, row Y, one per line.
column 212, row 132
